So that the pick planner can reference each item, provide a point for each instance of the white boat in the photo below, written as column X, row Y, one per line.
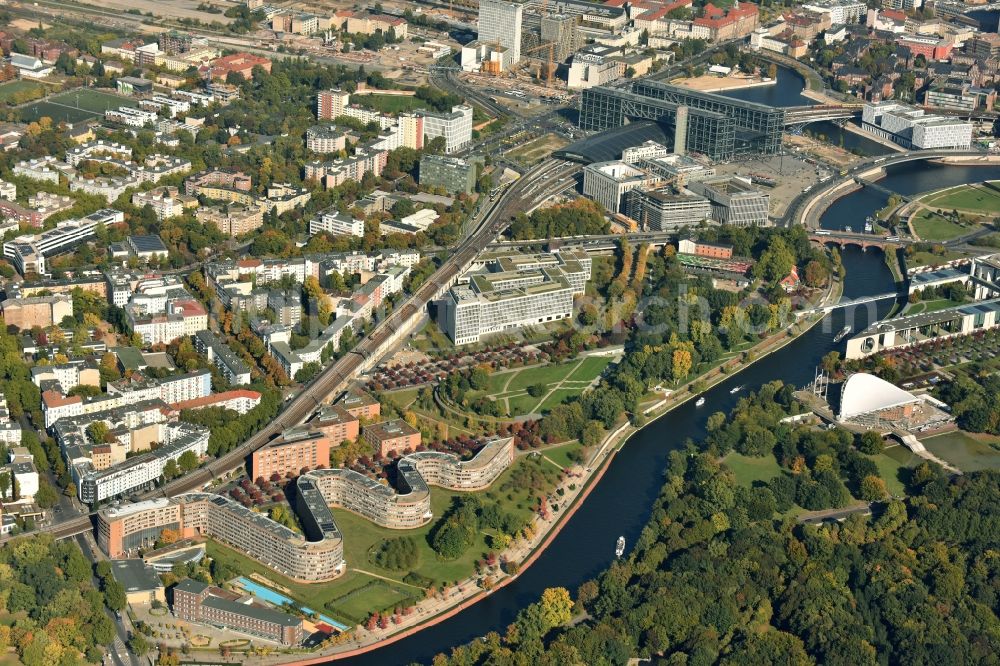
column 620, row 547
column 844, row 332
column 699, row 402
column 736, row 389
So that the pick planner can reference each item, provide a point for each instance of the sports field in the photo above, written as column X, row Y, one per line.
column 75, row 106
column 559, row 381
column 976, row 197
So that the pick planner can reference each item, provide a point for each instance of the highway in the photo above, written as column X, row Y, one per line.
column 548, row 177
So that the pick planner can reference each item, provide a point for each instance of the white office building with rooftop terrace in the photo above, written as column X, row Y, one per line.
column 508, row 295
column 914, row 128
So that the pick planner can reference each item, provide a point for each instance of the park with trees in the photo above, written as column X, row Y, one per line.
column 720, row 575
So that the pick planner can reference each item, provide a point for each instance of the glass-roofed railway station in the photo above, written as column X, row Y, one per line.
column 717, row 126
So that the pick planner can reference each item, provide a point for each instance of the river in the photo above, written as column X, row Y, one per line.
column 621, row 502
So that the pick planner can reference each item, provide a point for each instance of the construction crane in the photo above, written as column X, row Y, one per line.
column 548, row 63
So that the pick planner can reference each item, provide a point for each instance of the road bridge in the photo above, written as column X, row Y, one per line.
column 864, row 241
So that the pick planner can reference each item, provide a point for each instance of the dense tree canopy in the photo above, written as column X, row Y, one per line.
column 718, row 577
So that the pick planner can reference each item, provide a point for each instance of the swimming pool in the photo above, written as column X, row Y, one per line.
column 278, row 599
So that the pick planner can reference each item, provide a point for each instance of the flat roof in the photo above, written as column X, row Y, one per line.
column 255, row 612
column 930, row 318
column 135, row 575
column 391, row 429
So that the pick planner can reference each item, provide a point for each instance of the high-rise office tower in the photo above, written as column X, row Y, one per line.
column 500, row 23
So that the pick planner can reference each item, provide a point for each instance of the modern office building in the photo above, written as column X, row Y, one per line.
column 453, row 175
column 196, row 601
column 504, row 295
column 562, row 31
column 922, row 328
column 455, row 126
column 666, row 210
column 914, row 128
column 608, row 182
column 734, row 201
column 28, row 253
column 297, row 449
column 715, row 125
column 124, row 530
column 500, row 23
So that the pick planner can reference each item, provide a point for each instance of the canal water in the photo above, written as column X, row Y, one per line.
column 907, row 178
column 786, row 92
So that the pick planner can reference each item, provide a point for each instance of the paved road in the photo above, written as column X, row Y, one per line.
column 118, row 651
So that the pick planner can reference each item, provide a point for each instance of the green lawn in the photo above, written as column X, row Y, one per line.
column 376, row 594
column 891, row 464
column 75, row 106
column 924, row 307
column 932, row 227
column 11, row 88
column 930, row 258
column 575, row 375
column 558, row 397
column 591, row 367
column 390, row 103
column 543, row 374
column 967, row 452
column 974, row 196
column 748, row 469
column 361, row 536
column 560, row 454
